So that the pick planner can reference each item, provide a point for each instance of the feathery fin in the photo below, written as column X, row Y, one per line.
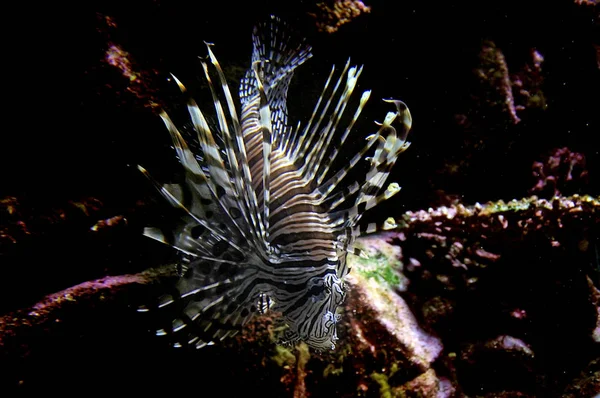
column 264, row 222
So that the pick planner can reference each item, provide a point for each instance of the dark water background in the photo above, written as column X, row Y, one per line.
column 65, row 121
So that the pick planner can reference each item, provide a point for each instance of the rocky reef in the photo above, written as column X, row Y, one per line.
column 493, row 299
column 499, row 299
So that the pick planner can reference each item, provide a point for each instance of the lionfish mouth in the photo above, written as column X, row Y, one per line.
column 264, row 224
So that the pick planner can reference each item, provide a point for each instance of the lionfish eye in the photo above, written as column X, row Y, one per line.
column 266, row 220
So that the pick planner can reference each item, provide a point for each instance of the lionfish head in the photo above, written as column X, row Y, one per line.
column 265, row 223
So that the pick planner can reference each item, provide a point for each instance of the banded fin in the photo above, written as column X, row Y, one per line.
column 265, row 223
column 205, row 307
column 283, row 52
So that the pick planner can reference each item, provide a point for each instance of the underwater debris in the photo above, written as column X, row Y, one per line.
column 264, row 225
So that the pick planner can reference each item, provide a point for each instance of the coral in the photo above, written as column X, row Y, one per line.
column 587, row 383
column 563, row 172
column 494, row 70
column 514, row 92
column 425, row 385
column 333, row 14
column 394, row 317
column 140, row 82
column 283, row 356
column 595, row 300
column 303, row 357
column 497, row 120
column 482, row 278
column 527, row 84
column 26, row 219
column 469, row 316
column 138, row 79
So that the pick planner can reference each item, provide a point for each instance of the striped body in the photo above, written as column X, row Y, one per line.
column 265, row 224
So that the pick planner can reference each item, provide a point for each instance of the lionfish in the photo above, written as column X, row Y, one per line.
column 264, row 225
